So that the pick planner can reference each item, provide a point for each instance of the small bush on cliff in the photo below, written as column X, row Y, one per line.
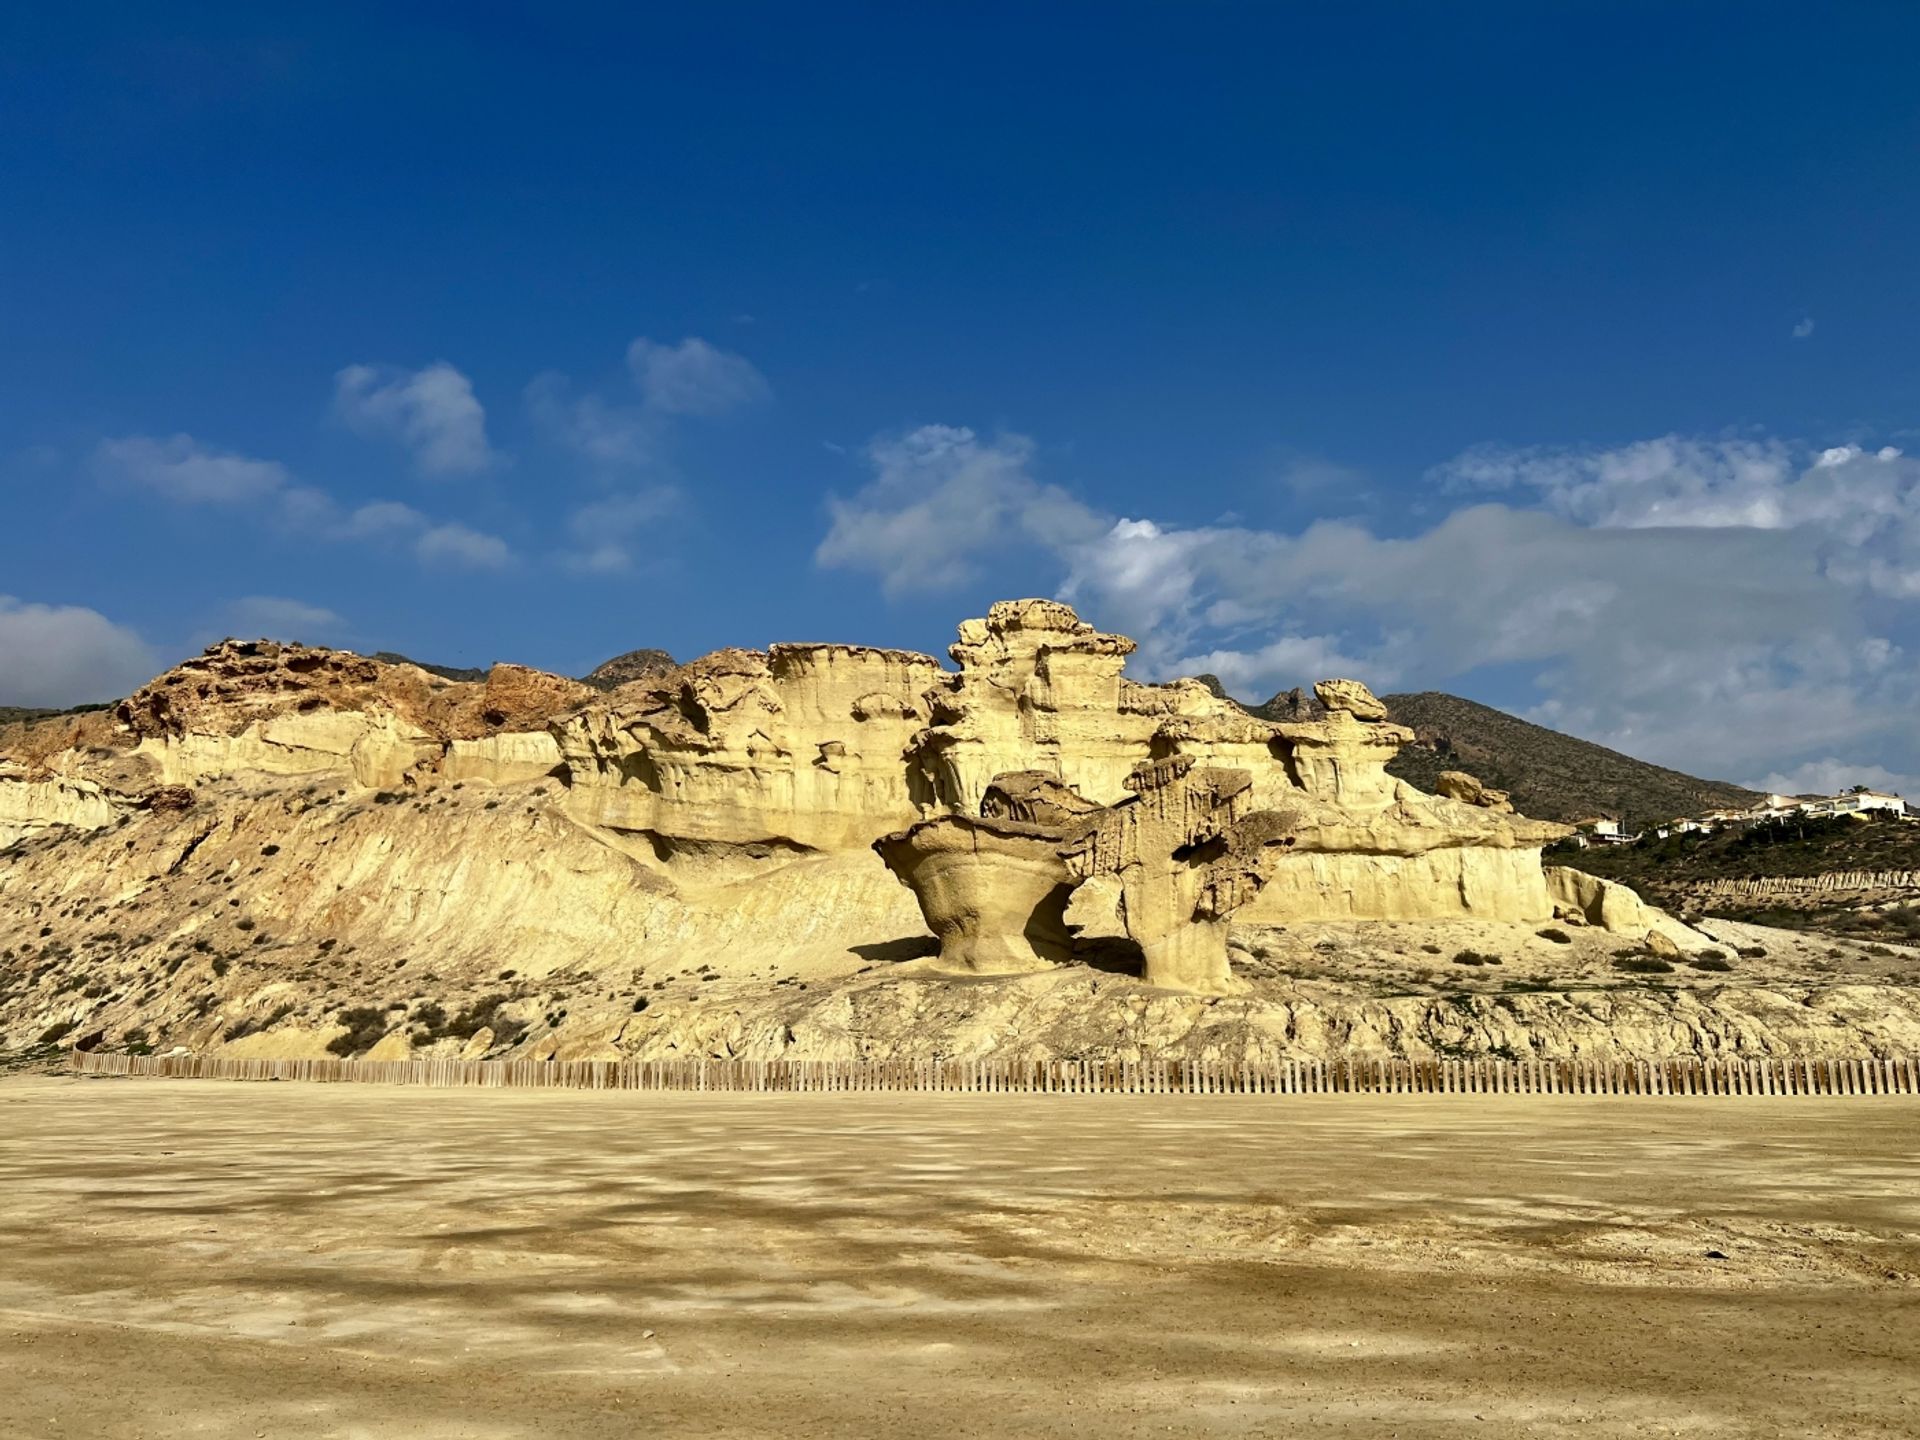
column 484, row 1014
column 430, row 1022
column 250, row 1026
column 365, row 1025
column 1556, row 935
column 56, row 1033
column 1711, row 962
column 1475, row 957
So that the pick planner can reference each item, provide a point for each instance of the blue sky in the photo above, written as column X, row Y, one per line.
column 1560, row 356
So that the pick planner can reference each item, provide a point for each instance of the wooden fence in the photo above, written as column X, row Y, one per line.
column 1072, row 1077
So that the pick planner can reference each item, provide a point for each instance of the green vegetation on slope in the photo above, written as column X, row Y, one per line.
column 1672, row 872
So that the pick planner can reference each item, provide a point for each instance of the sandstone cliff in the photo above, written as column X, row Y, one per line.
column 277, row 849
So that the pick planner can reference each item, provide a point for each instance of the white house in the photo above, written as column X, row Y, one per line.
column 1604, row 830
column 1864, row 802
column 1854, row 802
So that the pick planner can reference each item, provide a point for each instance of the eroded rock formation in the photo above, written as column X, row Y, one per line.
column 993, row 887
column 799, row 746
column 1183, row 853
column 539, row 837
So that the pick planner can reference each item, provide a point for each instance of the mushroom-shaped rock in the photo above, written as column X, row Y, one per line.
column 993, row 890
column 1352, row 697
column 1180, row 866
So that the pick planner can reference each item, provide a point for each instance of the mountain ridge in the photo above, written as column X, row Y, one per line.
column 1549, row 774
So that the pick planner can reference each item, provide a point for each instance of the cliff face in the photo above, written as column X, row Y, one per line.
column 825, row 747
column 631, row 666
column 802, row 747
column 275, row 849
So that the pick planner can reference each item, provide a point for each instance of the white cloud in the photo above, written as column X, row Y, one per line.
column 603, row 431
column 1668, row 481
column 379, row 518
column 604, row 530
column 1713, row 605
column 461, row 547
column 599, row 560
column 693, row 377
column 183, row 469
column 275, row 617
column 1859, row 510
column 940, row 496
column 1712, row 650
column 1324, row 483
column 1830, row 776
column 278, row 618
column 57, row 655
column 315, row 513
column 1280, row 664
column 1803, row 328
column 433, row 412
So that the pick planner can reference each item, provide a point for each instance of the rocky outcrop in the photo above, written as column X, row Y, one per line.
column 1350, row 697
column 514, row 698
column 1337, row 838
column 1458, row 785
column 718, row 822
column 1181, row 856
column 30, row 806
column 486, row 921
column 265, row 708
column 633, row 665
column 1040, row 689
column 1589, row 900
column 803, row 746
column 504, row 759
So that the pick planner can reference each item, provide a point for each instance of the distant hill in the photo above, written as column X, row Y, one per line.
column 1549, row 775
column 445, row 672
column 19, row 714
column 634, row 665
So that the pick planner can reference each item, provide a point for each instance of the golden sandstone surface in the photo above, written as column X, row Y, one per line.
column 744, row 856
